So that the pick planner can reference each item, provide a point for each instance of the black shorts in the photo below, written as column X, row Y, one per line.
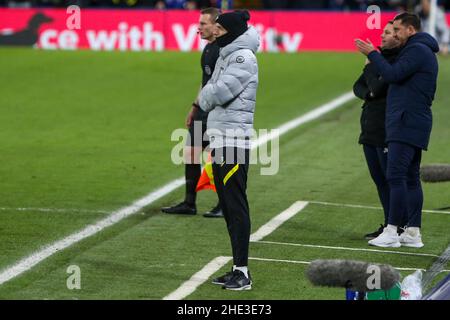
column 196, row 137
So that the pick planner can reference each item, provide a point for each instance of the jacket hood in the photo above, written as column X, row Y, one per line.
column 391, row 54
column 249, row 40
column 391, row 51
column 426, row 39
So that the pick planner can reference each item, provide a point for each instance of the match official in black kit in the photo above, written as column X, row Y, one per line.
column 196, row 122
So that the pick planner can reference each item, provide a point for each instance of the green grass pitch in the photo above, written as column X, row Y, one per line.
column 89, row 133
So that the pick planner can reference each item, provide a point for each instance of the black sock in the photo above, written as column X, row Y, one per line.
column 192, row 174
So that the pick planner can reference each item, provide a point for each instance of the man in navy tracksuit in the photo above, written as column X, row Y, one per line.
column 371, row 88
column 412, row 85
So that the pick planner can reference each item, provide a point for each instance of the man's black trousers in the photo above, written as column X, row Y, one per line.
column 230, row 168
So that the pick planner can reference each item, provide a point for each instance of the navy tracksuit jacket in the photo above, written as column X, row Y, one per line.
column 412, row 78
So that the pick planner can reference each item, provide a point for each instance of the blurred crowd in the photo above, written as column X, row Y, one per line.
column 345, row 5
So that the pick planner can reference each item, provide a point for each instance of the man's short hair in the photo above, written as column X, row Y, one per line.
column 409, row 19
column 213, row 12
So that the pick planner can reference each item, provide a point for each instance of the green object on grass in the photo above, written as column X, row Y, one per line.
column 391, row 294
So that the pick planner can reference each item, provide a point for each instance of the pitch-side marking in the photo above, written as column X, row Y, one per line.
column 217, row 263
column 366, row 207
column 349, row 249
column 197, row 279
column 308, row 262
column 35, row 258
column 59, row 210
column 32, row 260
column 206, row 272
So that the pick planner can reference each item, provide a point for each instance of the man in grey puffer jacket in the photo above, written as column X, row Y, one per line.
column 230, row 98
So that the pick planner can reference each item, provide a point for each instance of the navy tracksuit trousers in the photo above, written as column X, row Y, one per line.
column 403, row 176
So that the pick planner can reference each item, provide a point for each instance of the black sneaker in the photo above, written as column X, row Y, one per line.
column 215, row 212
column 238, row 281
column 223, row 279
column 374, row 234
column 181, row 208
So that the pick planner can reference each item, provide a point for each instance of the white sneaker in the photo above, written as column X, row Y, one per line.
column 411, row 239
column 387, row 239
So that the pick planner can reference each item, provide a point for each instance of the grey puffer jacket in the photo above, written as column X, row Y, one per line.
column 230, row 94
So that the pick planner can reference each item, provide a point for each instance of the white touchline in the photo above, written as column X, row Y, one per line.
column 216, row 264
column 60, row 210
column 197, row 279
column 349, row 249
column 308, row 262
column 35, row 258
column 279, row 260
column 203, row 275
column 366, row 207
column 277, row 221
column 311, row 115
column 32, row 260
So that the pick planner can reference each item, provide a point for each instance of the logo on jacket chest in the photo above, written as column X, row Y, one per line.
column 240, row 59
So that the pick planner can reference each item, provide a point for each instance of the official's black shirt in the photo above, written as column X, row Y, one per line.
column 208, row 62
column 210, row 55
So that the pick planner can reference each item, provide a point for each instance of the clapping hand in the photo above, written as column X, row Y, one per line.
column 364, row 47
